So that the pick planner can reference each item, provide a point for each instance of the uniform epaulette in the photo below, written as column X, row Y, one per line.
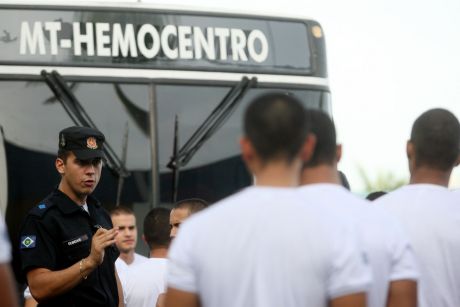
column 41, row 208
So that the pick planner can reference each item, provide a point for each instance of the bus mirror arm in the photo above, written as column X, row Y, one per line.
column 207, row 129
column 80, row 117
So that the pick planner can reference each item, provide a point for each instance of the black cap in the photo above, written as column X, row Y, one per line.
column 86, row 143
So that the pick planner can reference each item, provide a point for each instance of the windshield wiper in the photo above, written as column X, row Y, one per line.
column 80, row 117
column 207, row 129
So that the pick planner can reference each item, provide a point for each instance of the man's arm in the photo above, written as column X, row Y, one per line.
column 8, row 296
column 402, row 293
column 121, row 300
column 59, row 282
column 161, row 300
column 178, row 298
column 353, row 300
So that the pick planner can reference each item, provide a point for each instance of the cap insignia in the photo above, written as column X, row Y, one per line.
column 91, row 143
column 62, row 142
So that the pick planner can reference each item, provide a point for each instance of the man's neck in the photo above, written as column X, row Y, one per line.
column 423, row 174
column 320, row 174
column 159, row 252
column 78, row 199
column 128, row 257
column 278, row 174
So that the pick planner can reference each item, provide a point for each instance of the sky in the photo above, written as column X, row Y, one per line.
column 388, row 61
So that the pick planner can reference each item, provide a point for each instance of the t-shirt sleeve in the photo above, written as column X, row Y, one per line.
column 181, row 268
column 5, row 248
column 37, row 246
column 349, row 272
column 403, row 263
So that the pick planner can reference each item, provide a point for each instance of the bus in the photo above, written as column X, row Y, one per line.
column 166, row 85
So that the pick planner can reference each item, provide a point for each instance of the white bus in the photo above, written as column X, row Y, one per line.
column 174, row 81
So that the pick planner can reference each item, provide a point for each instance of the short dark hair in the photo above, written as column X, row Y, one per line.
column 63, row 154
column 156, row 227
column 374, row 195
column 192, row 204
column 436, row 138
column 344, row 181
column 119, row 210
column 323, row 128
column 276, row 126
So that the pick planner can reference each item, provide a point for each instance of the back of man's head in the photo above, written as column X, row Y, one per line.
column 156, row 228
column 323, row 128
column 436, row 139
column 276, row 127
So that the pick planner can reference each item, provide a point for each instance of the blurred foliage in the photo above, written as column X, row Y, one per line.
column 384, row 181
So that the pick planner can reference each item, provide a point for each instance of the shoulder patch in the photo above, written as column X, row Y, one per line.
column 40, row 209
column 28, row 241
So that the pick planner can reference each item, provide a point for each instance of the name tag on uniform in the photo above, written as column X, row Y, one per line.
column 28, row 241
column 77, row 240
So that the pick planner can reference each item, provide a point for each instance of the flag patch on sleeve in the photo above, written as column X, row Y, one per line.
column 28, row 241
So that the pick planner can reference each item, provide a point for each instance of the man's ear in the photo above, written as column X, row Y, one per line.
column 410, row 150
column 247, row 150
column 60, row 166
column 458, row 161
column 338, row 153
column 143, row 239
column 308, row 148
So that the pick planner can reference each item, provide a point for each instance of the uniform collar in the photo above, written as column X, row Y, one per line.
column 68, row 206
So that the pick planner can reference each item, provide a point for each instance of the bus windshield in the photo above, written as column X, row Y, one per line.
column 32, row 103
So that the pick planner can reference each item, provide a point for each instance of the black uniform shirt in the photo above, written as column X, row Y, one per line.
column 56, row 234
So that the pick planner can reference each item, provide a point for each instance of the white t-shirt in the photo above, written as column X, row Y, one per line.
column 145, row 282
column 386, row 244
column 431, row 216
column 122, row 267
column 262, row 247
column 5, row 248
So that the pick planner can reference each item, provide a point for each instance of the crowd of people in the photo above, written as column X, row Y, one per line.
column 297, row 237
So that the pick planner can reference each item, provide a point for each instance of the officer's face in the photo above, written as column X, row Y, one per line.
column 79, row 176
column 176, row 217
column 127, row 232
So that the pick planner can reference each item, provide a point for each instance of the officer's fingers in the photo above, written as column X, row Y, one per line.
column 113, row 230
column 111, row 233
column 108, row 243
column 106, row 237
column 100, row 232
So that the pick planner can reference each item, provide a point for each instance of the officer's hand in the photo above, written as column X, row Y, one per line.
column 101, row 239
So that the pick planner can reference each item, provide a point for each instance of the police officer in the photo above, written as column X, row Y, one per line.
column 67, row 240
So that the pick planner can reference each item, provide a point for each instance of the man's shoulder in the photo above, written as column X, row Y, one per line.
column 45, row 206
column 138, row 259
column 156, row 266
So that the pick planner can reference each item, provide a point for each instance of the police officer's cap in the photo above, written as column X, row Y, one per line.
column 86, row 143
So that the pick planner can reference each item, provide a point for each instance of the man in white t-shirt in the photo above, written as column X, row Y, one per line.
column 428, row 210
column 386, row 244
column 262, row 247
column 8, row 295
column 145, row 282
column 124, row 219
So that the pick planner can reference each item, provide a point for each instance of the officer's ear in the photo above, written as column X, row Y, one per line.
column 60, row 166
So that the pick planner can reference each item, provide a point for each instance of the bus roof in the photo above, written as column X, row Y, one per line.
column 135, row 5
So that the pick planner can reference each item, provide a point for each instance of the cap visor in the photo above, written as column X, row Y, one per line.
column 87, row 154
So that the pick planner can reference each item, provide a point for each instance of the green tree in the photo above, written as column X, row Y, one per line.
column 384, row 181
